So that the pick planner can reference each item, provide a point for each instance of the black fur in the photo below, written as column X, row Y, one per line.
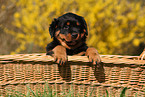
column 58, row 24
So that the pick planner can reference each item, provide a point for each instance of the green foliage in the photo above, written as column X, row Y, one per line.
column 123, row 92
column 49, row 93
column 116, row 23
column 112, row 24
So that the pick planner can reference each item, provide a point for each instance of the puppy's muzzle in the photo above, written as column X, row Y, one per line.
column 74, row 35
column 71, row 42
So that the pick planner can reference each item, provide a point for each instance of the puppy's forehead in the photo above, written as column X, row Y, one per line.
column 71, row 22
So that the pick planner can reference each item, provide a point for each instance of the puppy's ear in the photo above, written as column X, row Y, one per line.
column 85, row 26
column 53, row 27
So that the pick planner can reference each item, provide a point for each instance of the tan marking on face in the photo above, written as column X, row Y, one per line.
column 68, row 38
column 82, row 34
column 57, row 33
column 78, row 37
column 84, row 30
column 68, row 23
column 78, row 24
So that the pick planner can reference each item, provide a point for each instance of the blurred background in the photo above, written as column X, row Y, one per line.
column 115, row 26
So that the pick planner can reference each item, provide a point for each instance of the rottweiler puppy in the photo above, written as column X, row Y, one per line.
column 69, row 33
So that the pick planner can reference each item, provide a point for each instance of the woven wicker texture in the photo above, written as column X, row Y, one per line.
column 116, row 72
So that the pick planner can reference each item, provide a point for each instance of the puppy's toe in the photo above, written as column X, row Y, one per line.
column 93, row 56
column 60, row 59
column 95, row 59
column 60, row 55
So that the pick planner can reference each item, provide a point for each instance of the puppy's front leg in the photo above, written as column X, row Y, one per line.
column 93, row 55
column 60, row 55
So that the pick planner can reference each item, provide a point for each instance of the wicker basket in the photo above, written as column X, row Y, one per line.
column 117, row 72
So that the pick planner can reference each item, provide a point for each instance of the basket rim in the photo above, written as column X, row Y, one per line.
column 42, row 57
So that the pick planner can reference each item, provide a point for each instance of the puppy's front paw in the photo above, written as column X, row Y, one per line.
column 60, row 55
column 93, row 56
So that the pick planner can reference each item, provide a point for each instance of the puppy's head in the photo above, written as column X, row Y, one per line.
column 69, row 29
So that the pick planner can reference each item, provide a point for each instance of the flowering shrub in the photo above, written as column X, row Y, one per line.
column 115, row 26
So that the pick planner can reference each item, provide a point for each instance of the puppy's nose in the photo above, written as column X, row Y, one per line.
column 74, row 35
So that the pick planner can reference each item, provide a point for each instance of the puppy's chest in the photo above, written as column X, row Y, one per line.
column 72, row 51
column 76, row 51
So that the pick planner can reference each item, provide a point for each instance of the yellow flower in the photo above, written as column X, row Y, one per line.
column 136, row 42
column 17, row 15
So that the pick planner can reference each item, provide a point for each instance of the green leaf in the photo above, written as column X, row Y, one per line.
column 107, row 93
column 123, row 92
column 32, row 91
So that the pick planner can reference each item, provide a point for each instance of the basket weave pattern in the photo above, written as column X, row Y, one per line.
column 117, row 72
